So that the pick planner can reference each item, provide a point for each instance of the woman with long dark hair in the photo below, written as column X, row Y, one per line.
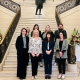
column 61, row 54
column 22, row 54
column 36, row 26
column 48, row 51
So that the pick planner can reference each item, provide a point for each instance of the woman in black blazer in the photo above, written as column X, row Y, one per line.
column 48, row 50
column 22, row 53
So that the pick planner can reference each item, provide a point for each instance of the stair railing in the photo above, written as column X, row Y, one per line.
column 67, row 5
column 9, row 4
column 57, row 16
column 9, row 33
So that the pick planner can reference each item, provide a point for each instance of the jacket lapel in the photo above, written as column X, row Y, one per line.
column 58, row 44
column 22, row 41
column 63, row 44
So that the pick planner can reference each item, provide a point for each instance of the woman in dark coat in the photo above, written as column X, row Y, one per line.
column 22, row 54
column 48, row 50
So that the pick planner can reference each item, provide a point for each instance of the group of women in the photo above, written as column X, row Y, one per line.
column 39, row 44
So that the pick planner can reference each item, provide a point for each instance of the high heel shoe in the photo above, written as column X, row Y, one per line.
column 63, row 76
column 49, row 76
column 32, row 78
column 46, row 76
column 35, row 77
column 59, row 76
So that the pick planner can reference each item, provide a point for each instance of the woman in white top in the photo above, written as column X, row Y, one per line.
column 35, row 49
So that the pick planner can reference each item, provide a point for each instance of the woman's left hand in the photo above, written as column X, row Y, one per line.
column 48, row 52
column 37, row 54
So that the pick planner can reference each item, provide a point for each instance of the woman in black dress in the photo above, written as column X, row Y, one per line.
column 22, row 54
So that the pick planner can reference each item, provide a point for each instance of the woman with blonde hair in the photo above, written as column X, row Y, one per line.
column 47, row 29
column 35, row 49
column 36, row 26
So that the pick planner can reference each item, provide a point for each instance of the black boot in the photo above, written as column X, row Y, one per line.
column 40, row 12
column 49, row 76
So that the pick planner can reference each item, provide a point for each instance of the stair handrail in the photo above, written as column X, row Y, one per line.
column 9, row 4
column 57, row 16
column 67, row 5
column 9, row 33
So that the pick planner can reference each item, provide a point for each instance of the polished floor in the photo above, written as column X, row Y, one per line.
column 41, row 78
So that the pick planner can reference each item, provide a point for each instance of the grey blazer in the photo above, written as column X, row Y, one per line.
column 64, row 47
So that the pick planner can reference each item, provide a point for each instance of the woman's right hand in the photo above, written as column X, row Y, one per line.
column 47, row 52
column 60, row 53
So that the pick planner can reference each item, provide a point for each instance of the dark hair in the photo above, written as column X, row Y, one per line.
column 63, row 34
column 35, row 26
column 60, row 24
column 51, row 38
column 22, row 30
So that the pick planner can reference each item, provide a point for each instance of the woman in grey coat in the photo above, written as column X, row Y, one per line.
column 61, row 54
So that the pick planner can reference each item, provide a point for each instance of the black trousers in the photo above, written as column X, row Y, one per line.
column 34, row 62
column 61, row 65
column 22, row 62
column 48, row 64
column 39, row 10
column 40, row 58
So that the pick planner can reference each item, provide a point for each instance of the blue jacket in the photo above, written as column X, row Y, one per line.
column 44, row 47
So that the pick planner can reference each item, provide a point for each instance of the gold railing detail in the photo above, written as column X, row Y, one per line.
column 9, row 26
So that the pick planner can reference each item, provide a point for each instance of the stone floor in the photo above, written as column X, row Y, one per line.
column 41, row 78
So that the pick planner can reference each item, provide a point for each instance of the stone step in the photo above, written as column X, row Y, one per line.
column 42, row 27
column 51, row 26
column 19, row 31
column 39, row 23
column 14, row 61
column 13, row 46
column 33, row 21
column 40, row 74
column 78, row 65
column 14, row 67
column 31, row 25
column 14, row 51
column 12, row 57
column 38, row 19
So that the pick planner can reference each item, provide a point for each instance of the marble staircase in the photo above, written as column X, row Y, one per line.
column 28, row 19
column 10, row 64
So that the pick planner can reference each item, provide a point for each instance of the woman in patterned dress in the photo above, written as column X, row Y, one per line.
column 35, row 49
